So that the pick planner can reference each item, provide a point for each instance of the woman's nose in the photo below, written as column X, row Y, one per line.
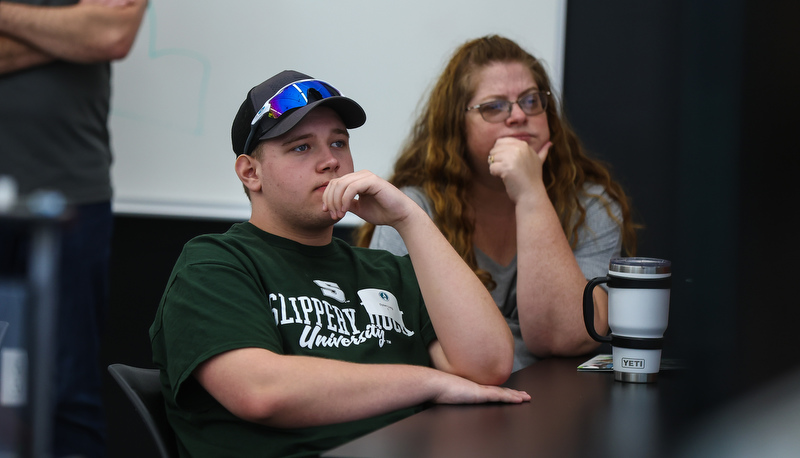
column 516, row 114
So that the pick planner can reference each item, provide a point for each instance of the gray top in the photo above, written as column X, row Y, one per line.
column 53, row 127
column 600, row 240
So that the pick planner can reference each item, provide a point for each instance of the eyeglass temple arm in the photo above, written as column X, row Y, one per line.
column 253, row 124
column 249, row 139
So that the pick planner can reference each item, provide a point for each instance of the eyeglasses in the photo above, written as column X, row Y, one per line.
column 496, row 111
column 293, row 95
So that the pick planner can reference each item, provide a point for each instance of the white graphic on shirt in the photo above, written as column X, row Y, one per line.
column 383, row 310
column 328, row 325
column 331, row 290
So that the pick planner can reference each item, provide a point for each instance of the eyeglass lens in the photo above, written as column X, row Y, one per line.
column 499, row 110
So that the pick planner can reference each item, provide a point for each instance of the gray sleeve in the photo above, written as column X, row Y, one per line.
column 387, row 238
column 600, row 239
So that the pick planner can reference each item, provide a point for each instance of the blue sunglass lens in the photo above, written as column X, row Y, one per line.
column 297, row 95
column 293, row 96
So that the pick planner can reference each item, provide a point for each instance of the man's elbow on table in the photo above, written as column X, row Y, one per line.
column 492, row 368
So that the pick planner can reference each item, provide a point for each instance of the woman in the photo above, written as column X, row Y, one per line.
column 504, row 177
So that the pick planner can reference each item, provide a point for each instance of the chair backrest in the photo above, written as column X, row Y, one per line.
column 143, row 388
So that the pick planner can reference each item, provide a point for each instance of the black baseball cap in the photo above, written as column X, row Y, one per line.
column 269, row 127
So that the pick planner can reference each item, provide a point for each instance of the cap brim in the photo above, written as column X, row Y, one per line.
column 351, row 113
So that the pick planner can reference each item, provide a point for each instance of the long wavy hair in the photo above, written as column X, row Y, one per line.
column 434, row 156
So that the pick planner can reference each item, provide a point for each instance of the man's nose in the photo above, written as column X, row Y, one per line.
column 328, row 161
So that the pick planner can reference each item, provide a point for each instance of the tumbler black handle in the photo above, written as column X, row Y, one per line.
column 588, row 309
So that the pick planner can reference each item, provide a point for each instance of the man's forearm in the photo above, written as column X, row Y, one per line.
column 299, row 391
column 473, row 336
column 330, row 391
column 474, row 341
column 84, row 32
column 15, row 55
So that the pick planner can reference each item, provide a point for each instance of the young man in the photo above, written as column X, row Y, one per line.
column 276, row 339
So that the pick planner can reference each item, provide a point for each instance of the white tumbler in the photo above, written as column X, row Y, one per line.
column 638, row 311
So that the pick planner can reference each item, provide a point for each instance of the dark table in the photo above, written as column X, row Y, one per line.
column 571, row 414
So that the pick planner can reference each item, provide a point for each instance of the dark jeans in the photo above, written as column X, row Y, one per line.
column 84, row 282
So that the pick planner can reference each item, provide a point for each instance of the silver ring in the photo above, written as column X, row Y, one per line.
column 491, row 159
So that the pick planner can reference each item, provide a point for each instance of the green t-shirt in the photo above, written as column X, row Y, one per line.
column 248, row 288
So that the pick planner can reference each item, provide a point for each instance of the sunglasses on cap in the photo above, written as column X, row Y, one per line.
column 293, row 95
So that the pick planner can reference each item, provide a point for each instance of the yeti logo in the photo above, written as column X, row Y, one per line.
column 632, row 363
column 331, row 290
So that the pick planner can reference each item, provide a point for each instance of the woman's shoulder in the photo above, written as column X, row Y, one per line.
column 592, row 189
column 595, row 198
column 418, row 195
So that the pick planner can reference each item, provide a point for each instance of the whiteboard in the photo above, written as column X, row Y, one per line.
column 193, row 62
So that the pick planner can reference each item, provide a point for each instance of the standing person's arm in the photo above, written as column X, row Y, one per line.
column 16, row 55
column 549, row 281
column 86, row 32
column 474, row 340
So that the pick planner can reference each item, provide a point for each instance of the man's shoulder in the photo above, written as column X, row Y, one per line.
column 234, row 232
column 208, row 247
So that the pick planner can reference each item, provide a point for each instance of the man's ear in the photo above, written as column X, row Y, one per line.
column 248, row 169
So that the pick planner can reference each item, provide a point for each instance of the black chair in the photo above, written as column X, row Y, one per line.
column 143, row 388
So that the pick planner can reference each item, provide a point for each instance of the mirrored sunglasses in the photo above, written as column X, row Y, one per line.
column 293, row 95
